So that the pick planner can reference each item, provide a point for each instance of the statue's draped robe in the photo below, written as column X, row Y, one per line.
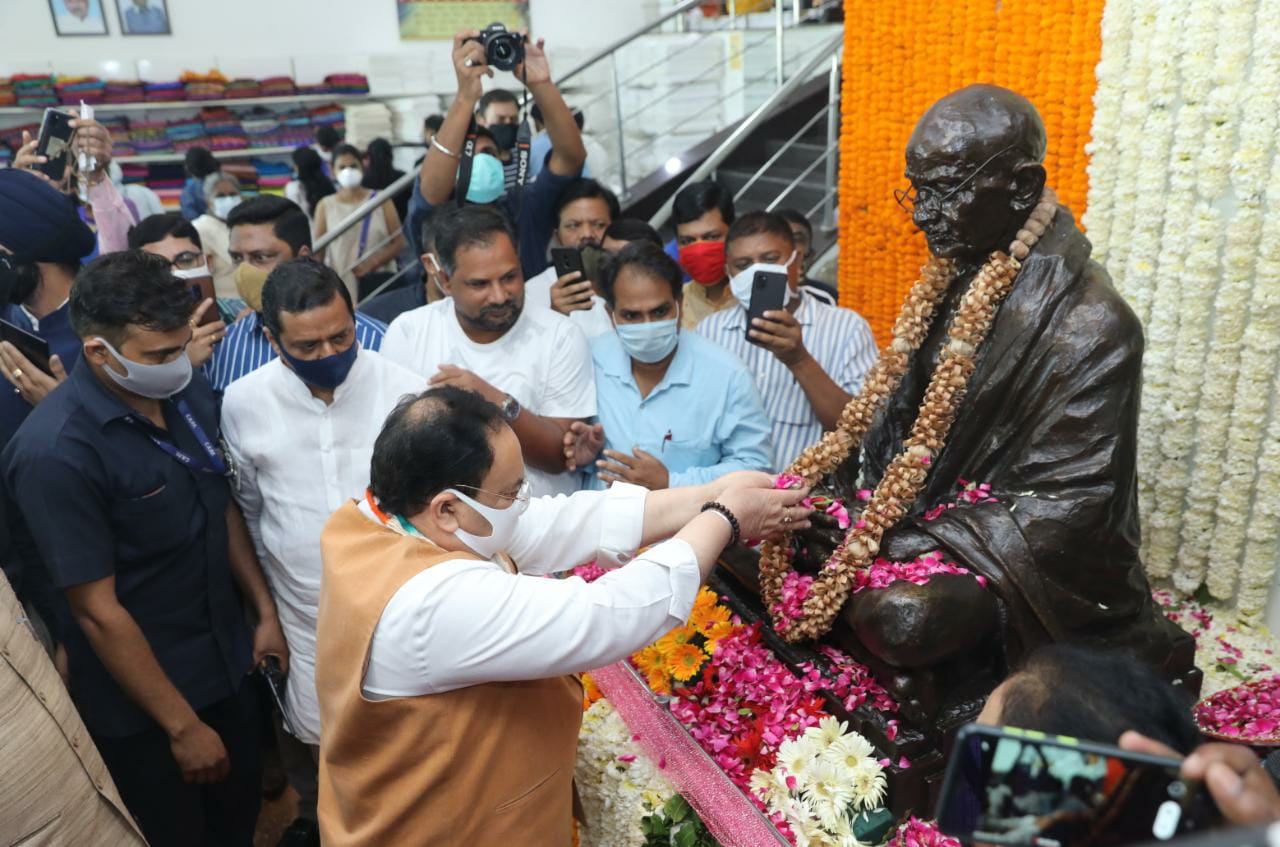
column 1050, row 421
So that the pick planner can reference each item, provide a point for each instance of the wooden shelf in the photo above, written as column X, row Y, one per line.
column 246, row 153
column 198, row 104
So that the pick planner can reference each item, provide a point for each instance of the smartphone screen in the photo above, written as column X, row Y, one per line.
column 55, row 143
column 1012, row 787
column 567, row 260
column 768, row 294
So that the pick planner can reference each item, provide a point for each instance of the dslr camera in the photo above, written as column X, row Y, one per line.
column 503, row 49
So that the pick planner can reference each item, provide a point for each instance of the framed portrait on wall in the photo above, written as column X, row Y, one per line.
column 143, row 17
column 78, row 17
column 440, row 19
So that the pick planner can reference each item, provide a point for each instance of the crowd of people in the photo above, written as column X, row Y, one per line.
column 238, row 447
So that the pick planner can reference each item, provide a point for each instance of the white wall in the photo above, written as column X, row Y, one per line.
column 306, row 38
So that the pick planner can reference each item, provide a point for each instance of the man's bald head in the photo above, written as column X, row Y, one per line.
column 975, row 164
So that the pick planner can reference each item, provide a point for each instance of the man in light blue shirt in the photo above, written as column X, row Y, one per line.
column 674, row 408
column 144, row 19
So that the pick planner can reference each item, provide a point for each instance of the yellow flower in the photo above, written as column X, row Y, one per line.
column 718, row 630
column 706, row 617
column 684, row 661
column 649, row 659
column 659, row 682
column 706, row 598
column 676, row 637
column 590, row 693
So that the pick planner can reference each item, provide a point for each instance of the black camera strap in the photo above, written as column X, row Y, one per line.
column 465, row 162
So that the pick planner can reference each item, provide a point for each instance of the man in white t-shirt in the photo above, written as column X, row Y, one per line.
column 583, row 213
column 532, row 363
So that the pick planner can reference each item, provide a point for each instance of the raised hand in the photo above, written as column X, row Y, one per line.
column 469, row 64
column 571, row 293
column 535, row 68
column 582, row 443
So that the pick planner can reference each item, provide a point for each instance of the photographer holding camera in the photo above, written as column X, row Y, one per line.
column 531, row 207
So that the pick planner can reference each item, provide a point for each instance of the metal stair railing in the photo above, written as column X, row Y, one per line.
column 828, row 51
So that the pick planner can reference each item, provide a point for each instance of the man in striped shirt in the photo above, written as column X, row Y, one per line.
column 265, row 232
column 808, row 358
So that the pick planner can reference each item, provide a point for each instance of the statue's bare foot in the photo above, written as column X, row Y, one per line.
column 916, row 692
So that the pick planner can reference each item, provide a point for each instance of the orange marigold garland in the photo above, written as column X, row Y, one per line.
column 899, row 58
column 906, row 474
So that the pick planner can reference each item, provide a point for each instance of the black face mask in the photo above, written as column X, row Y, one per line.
column 505, row 135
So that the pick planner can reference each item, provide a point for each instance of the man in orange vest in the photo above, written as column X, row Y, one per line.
column 448, row 710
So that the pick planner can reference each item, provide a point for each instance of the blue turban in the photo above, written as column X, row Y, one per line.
column 39, row 224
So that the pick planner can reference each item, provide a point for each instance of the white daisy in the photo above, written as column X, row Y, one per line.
column 797, row 756
column 850, row 750
column 868, row 785
column 827, row 732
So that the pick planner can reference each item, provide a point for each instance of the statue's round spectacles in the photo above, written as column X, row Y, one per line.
column 910, row 197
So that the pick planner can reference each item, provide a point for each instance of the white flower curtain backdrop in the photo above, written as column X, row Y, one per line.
column 1184, row 210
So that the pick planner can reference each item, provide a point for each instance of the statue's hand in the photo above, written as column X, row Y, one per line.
column 816, row 544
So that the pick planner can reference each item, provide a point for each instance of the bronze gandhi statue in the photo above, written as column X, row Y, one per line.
column 1049, row 421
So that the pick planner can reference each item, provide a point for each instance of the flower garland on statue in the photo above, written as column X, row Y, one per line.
column 906, row 474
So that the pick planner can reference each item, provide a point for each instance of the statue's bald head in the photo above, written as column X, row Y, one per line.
column 975, row 161
column 977, row 122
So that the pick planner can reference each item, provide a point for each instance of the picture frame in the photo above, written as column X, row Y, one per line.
column 143, row 17
column 75, row 18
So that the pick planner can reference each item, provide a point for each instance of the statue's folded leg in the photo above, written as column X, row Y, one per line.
column 914, row 629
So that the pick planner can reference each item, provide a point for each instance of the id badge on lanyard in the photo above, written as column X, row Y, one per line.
column 215, row 463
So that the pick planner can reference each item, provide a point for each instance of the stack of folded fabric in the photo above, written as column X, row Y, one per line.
column 262, row 127
column 245, row 172
column 121, row 135
column 7, row 97
column 35, row 90
column 239, row 88
column 367, row 121
column 6, row 155
column 210, row 86
column 295, row 128
column 329, row 115
column 148, row 136
column 185, row 133
column 73, row 89
column 278, row 86
column 160, row 92
column 12, row 135
column 125, row 91
column 273, row 175
column 223, row 129
column 347, row 83
column 134, row 174
column 166, row 180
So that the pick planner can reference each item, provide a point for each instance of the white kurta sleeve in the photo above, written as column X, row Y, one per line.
column 559, row 533
column 466, row 622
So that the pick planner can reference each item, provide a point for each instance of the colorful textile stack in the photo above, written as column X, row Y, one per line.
column 262, row 126
column 148, row 136
column 121, row 135
column 12, row 135
column 245, row 172
column 7, row 97
column 278, row 86
column 273, row 175
column 35, row 90
column 125, row 91
column 347, row 83
column 223, row 128
column 329, row 115
column 134, row 174
column 166, row 180
column 295, row 128
column 210, row 86
column 73, row 89
column 161, row 92
column 185, row 133
column 238, row 88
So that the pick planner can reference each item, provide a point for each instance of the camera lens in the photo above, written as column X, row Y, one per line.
column 501, row 50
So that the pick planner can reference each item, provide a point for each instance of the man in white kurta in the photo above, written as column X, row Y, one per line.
column 297, row 458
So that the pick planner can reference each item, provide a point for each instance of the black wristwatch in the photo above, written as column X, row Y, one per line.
column 510, row 409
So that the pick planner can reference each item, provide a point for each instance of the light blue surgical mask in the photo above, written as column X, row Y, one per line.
column 487, row 180
column 649, row 342
column 155, row 381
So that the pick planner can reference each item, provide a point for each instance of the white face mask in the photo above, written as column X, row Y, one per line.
column 350, row 177
column 741, row 283
column 222, row 206
column 155, row 381
column 188, row 274
column 502, row 523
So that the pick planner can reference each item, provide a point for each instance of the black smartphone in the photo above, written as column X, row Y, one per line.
column 567, row 260
column 35, row 348
column 271, row 672
column 55, row 143
column 1007, row 786
column 768, row 293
